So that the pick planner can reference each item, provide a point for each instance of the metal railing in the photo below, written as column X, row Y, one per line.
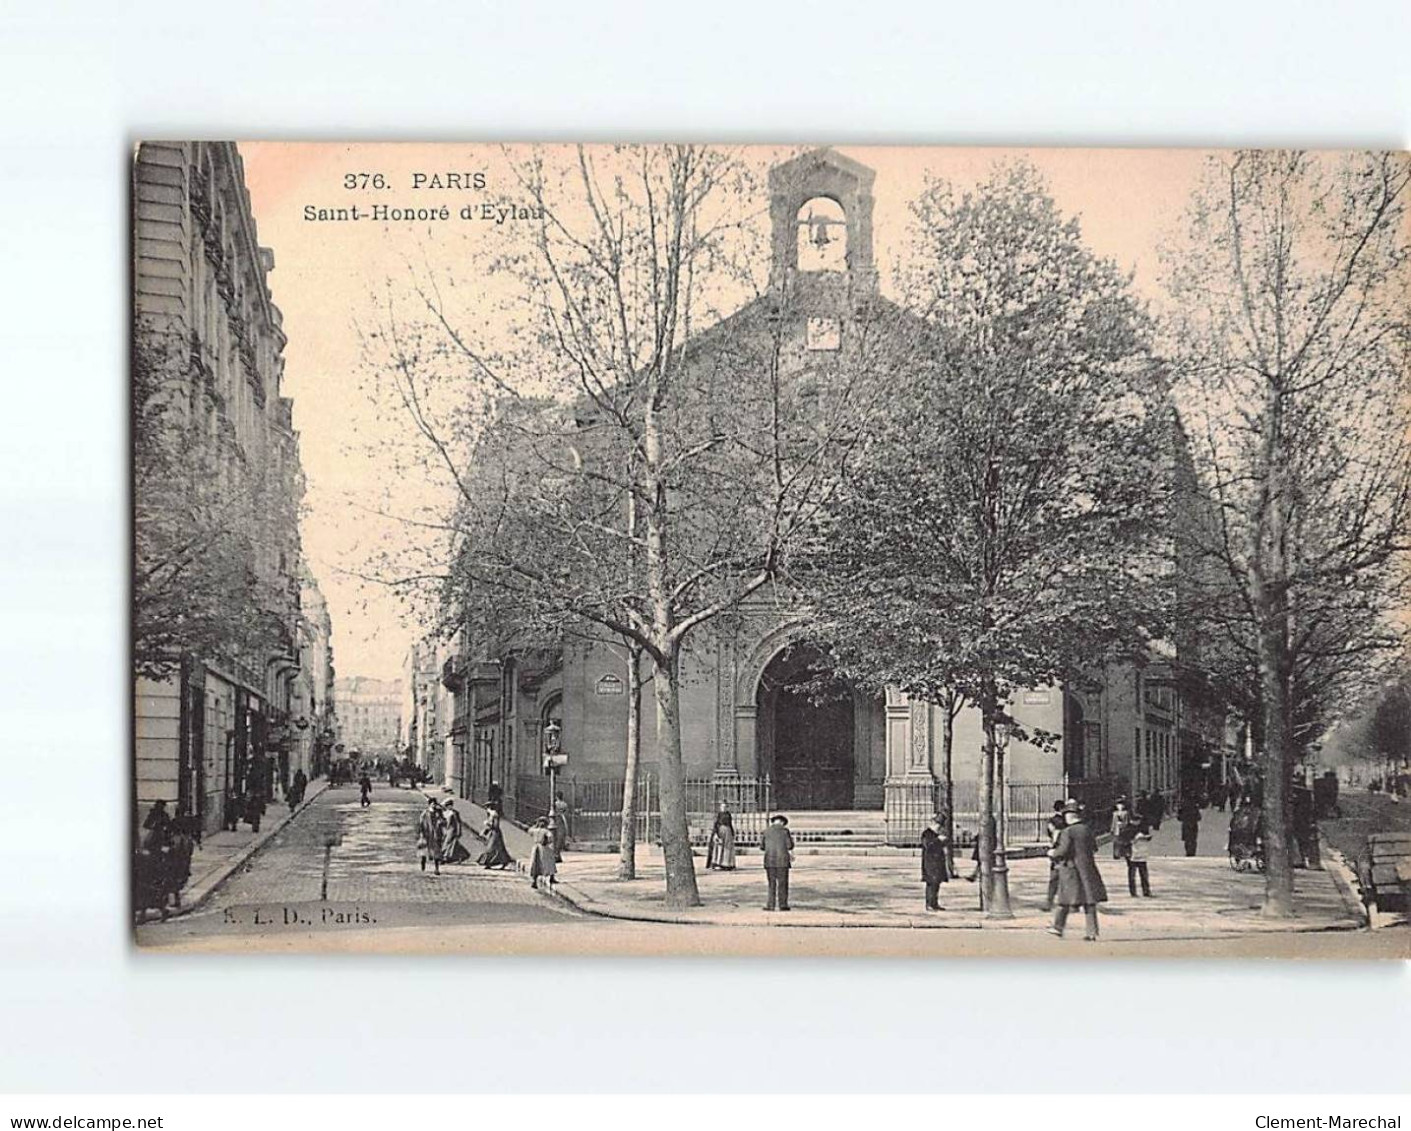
column 907, row 808
column 595, row 806
column 1027, row 808
column 749, row 799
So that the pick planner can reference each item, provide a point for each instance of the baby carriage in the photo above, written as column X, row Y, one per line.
column 1246, row 843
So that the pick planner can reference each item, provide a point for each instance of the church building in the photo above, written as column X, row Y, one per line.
column 759, row 727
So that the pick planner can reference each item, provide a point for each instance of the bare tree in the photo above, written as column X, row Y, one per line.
column 678, row 452
column 1290, row 331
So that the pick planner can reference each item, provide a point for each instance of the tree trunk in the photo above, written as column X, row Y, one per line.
column 947, row 776
column 987, row 801
column 1278, row 746
column 627, row 843
column 681, row 888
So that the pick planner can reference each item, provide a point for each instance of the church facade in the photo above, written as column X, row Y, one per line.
column 754, row 706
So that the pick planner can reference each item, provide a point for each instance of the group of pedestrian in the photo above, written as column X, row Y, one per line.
column 248, row 806
column 162, row 864
column 438, row 835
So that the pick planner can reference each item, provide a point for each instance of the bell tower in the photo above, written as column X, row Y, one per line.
column 820, row 211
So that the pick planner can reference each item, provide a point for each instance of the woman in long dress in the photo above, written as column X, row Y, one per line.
column 452, row 850
column 544, row 861
column 721, row 853
column 496, row 855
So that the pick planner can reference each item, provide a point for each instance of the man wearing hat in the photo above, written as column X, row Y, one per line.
column 778, row 845
column 1079, row 882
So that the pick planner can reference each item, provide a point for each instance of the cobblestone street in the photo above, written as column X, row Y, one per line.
column 340, row 865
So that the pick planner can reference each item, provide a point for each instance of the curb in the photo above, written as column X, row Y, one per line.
column 1346, row 881
column 241, row 858
column 582, row 901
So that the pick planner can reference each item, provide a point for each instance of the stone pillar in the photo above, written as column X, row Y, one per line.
column 746, row 718
column 909, row 790
column 728, row 750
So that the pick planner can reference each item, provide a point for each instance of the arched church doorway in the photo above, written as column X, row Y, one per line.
column 806, row 731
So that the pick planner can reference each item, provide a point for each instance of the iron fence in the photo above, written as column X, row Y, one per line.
column 595, row 806
column 1027, row 808
column 595, row 809
column 749, row 798
column 907, row 808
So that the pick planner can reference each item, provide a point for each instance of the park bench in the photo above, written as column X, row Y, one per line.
column 1384, row 871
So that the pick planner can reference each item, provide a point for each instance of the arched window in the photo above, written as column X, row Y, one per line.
column 823, row 235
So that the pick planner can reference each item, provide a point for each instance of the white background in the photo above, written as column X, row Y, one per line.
column 78, row 83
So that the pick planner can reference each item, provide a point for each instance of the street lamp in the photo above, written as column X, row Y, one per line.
column 554, row 759
column 998, row 907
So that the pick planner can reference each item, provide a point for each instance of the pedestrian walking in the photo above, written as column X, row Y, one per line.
column 452, row 829
column 562, row 832
column 1053, row 826
column 543, row 861
column 254, row 810
column 364, row 790
column 301, row 787
column 157, row 827
column 428, row 835
column 496, row 855
column 495, row 798
column 1188, row 813
column 1079, row 881
column 720, row 849
column 935, row 867
column 778, row 845
column 1138, row 855
column 554, row 823
column 178, row 857
column 1123, row 822
column 1305, row 829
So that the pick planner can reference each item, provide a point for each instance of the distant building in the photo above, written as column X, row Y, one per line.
column 369, row 713
column 313, row 709
column 426, row 707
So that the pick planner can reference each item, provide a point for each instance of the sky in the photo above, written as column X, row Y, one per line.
column 331, row 278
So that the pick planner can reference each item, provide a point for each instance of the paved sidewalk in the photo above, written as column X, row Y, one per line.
column 222, row 853
column 1193, row 898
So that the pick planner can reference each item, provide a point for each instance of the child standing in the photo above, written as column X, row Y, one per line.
column 1137, row 857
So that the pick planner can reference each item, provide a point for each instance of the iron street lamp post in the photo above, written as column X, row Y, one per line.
column 999, row 902
column 552, row 733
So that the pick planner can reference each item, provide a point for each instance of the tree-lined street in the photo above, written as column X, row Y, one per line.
column 344, row 876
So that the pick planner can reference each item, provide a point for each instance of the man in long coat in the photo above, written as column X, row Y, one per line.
column 1079, row 882
column 934, row 870
column 1188, row 813
column 428, row 835
column 778, row 844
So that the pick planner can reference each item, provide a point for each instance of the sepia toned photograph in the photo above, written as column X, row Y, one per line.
column 769, row 550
